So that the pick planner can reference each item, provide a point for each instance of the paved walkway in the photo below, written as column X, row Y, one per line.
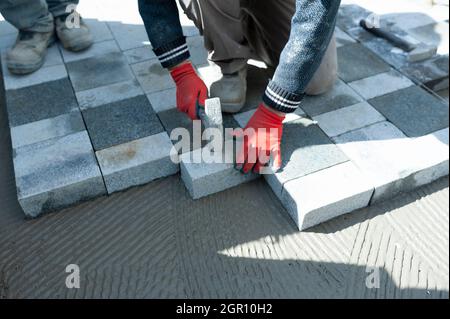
column 155, row 241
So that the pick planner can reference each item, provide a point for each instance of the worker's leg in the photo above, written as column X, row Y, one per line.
column 268, row 36
column 71, row 30
column 220, row 23
column 36, row 30
column 61, row 7
column 27, row 15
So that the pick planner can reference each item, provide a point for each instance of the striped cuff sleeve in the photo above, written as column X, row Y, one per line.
column 281, row 100
column 173, row 53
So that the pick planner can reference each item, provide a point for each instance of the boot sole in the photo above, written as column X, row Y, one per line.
column 20, row 69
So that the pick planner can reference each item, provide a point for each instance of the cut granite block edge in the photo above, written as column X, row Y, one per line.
column 137, row 162
column 326, row 194
column 56, row 173
column 204, row 179
column 394, row 163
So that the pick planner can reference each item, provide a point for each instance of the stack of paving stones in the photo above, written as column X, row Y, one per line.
column 380, row 131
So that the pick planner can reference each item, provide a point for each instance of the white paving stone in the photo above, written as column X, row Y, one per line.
column 321, row 196
column 342, row 38
column 42, row 75
column 381, row 84
column 43, row 130
column 96, row 49
column 140, row 54
column 129, row 36
column 108, row 94
column 137, row 162
column 152, row 76
column 163, row 100
column 348, row 119
column 203, row 179
column 392, row 162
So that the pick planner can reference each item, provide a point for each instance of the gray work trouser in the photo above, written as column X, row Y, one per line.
column 34, row 15
column 237, row 30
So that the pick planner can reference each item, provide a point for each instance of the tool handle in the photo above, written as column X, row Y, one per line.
column 385, row 34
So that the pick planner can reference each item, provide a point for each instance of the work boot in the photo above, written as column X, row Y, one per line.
column 29, row 51
column 232, row 91
column 73, row 39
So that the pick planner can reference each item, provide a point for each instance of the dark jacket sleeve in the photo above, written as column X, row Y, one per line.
column 164, row 31
column 312, row 29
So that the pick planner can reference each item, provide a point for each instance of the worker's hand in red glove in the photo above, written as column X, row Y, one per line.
column 261, row 142
column 190, row 89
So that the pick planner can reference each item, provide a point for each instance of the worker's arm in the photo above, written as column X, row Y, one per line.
column 312, row 29
column 165, row 33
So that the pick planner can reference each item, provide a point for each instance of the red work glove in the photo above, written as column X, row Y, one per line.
column 261, row 141
column 190, row 89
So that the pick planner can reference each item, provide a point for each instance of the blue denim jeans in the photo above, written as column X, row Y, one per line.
column 312, row 27
column 34, row 15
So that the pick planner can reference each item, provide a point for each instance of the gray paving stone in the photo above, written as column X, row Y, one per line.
column 173, row 119
column 53, row 57
column 356, row 62
column 99, row 30
column 413, row 110
column 137, row 162
column 321, row 196
column 340, row 96
column 38, row 102
column 342, row 38
column 108, row 94
column 57, row 173
column 306, row 149
column 152, row 76
column 350, row 15
column 203, row 179
column 6, row 28
column 140, row 54
column 380, row 84
column 163, row 100
column 432, row 73
column 348, row 119
column 7, row 41
column 99, row 71
column 121, row 122
column 392, row 162
column 433, row 34
column 199, row 55
column 129, row 36
column 43, row 130
column 47, row 74
column 98, row 48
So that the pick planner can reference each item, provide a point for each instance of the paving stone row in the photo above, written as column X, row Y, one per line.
column 374, row 134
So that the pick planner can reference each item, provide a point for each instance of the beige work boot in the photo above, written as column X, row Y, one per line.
column 75, row 38
column 29, row 51
column 232, row 91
